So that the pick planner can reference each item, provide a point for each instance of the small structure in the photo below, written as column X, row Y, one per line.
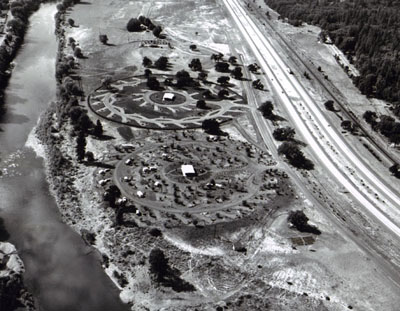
column 188, row 170
column 168, row 97
column 239, row 247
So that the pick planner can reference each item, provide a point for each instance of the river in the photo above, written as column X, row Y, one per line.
column 62, row 272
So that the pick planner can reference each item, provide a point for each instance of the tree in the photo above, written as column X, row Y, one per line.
column 153, row 83
column 193, row 47
column 370, row 117
column 222, row 67
column 211, row 126
column 237, row 73
column 223, row 80
column 347, row 125
column 232, row 60
column 161, row 63
column 329, row 105
column 80, row 146
column 142, row 19
column 62, row 70
column 257, row 84
column 84, row 123
column 134, row 25
column 112, row 193
column 147, row 62
column 98, row 129
column 103, row 39
column 395, row 170
column 183, row 78
column 16, row 25
column 223, row 93
column 157, row 31
column 147, row 73
column 300, row 221
column 71, row 86
column 89, row 156
column 284, row 133
column 158, row 264
column 78, row 52
column 71, row 22
column 295, row 156
column 201, row 104
column 207, row 94
column 195, row 65
column 217, row 57
column 147, row 22
column 253, row 68
column 202, row 76
column 75, row 113
column 266, row 109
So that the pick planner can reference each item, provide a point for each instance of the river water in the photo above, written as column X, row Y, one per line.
column 61, row 271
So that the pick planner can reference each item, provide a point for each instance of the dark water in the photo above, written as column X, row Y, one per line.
column 61, row 271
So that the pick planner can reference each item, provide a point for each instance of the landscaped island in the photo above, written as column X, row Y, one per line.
column 154, row 158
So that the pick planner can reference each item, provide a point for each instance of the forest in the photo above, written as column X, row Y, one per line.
column 367, row 31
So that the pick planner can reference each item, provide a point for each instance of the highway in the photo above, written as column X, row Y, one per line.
column 326, row 143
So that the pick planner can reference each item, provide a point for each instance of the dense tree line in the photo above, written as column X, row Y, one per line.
column 384, row 124
column 366, row 30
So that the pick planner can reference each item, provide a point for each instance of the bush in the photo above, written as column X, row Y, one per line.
column 161, row 63
column 183, row 78
column 222, row 94
column 223, row 79
column 157, row 31
column 195, row 65
column 295, row 156
column 134, row 25
column 237, row 73
column 300, row 221
column 146, row 62
column 78, row 52
column 284, row 133
column 153, row 83
column 103, row 39
column 329, row 105
column 222, row 67
column 266, row 109
column 201, row 104
column 211, row 126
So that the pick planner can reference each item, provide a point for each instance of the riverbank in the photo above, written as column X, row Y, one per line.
column 13, row 293
column 61, row 271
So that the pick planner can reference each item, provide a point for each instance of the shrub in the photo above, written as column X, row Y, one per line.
column 103, row 39
column 134, row 25
column 300, row 221
column 284, row 133
column 295, row 156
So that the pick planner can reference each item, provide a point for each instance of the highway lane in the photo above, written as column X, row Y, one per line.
column 294, row 96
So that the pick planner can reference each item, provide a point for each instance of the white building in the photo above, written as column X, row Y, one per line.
column 188, row 170
column 168, row 96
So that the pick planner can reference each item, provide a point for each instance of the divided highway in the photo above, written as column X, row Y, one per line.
column 327, row 145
